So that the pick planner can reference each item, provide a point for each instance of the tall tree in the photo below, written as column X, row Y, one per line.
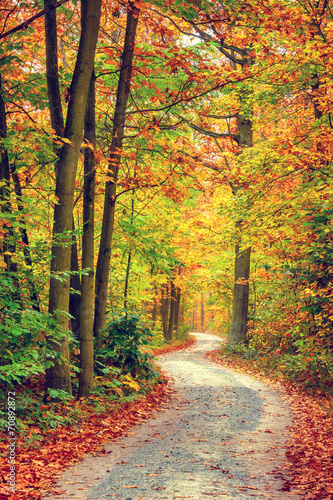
column 86, row 378
column 57, row 122
column 6, row 207
column 119, row 119
column 58, row 376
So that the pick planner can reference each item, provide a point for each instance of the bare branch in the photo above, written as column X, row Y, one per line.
column 211, row 133
column 221, row 117
column 175, row 24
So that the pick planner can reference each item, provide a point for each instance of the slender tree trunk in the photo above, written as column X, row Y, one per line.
column 8, row 244
column 154, row 313
column 52, row 69
column 4, row 162
column 194, row 315
column 86, row 379
column 240, row 304
column 202, row 312
column 177, row 308
column 25, row 240
column 238, row 327
column 75, row 287
column 172, row 309
column 164, row 309
column 128, row 267
column 57, row 122
column 58, row 376
column 124, row 84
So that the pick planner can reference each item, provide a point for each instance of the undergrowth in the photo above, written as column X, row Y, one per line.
column 310, row 370
column 124, row 373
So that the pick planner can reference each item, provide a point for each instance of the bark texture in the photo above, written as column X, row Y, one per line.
column 172, row 313
column 57, row 122
column 164, row 309
column 123, row 91
column 86, row 380
column 240, row 304
column 238, row 327
column 52, row 68
column 58, row 376
column 6, row 206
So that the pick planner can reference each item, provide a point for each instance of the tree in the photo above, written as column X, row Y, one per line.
column 58, row 376
column 123, row 92
column 86, row 378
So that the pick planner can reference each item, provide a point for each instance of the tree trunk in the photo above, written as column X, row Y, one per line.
column 154, row 313
column 177, row 308
column 75, row 287
column 4, row 162
column 8, row 244
column 164, row 309
column 240, row 305
column 172, row 309
column 238, row 327
column 202, row 312
column 57, row 122
column 86, row 379
column 52, row 69
column 58, row 376
column 194, row 316
column 128, row 267
column 25, row 240
column 123, row 90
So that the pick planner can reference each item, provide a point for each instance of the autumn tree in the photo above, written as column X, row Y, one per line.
column 58, row 376
column 123, row 92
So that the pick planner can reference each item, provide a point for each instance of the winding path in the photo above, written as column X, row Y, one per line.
column 221, row 436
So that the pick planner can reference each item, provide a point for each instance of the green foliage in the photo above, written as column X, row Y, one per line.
column 122, row 345
column 307, row 367
column 182, row 332
column 24, row 351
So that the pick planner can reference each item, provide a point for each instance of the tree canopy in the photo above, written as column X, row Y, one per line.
column 171, row 161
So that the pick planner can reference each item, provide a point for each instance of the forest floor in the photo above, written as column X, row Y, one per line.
column 221, row 434
column 206, row 431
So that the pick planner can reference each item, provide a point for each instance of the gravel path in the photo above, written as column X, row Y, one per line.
column 222, row 435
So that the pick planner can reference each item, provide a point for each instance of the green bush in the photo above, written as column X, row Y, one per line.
column 122, row 345
column 182, row 332
column 24, row 351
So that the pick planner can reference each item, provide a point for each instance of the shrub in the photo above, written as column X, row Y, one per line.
column 122, row 345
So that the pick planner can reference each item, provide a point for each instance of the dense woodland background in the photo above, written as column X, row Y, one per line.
column 165, row 166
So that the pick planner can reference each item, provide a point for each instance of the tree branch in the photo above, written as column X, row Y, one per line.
column 211, row 133
column 221, row 117
column 26, row 23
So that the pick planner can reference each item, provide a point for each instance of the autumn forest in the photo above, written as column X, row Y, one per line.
column 165, row 167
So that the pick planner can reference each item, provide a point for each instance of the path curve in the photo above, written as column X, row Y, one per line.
column 222, row 435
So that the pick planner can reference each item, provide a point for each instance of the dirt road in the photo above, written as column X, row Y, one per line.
column 222, row 436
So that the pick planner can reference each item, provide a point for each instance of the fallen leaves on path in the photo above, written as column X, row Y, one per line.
column 167, row 349
column 37, row 468
column 310, row 447
column 39, row 464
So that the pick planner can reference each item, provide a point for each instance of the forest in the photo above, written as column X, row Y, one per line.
column 165, row 167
